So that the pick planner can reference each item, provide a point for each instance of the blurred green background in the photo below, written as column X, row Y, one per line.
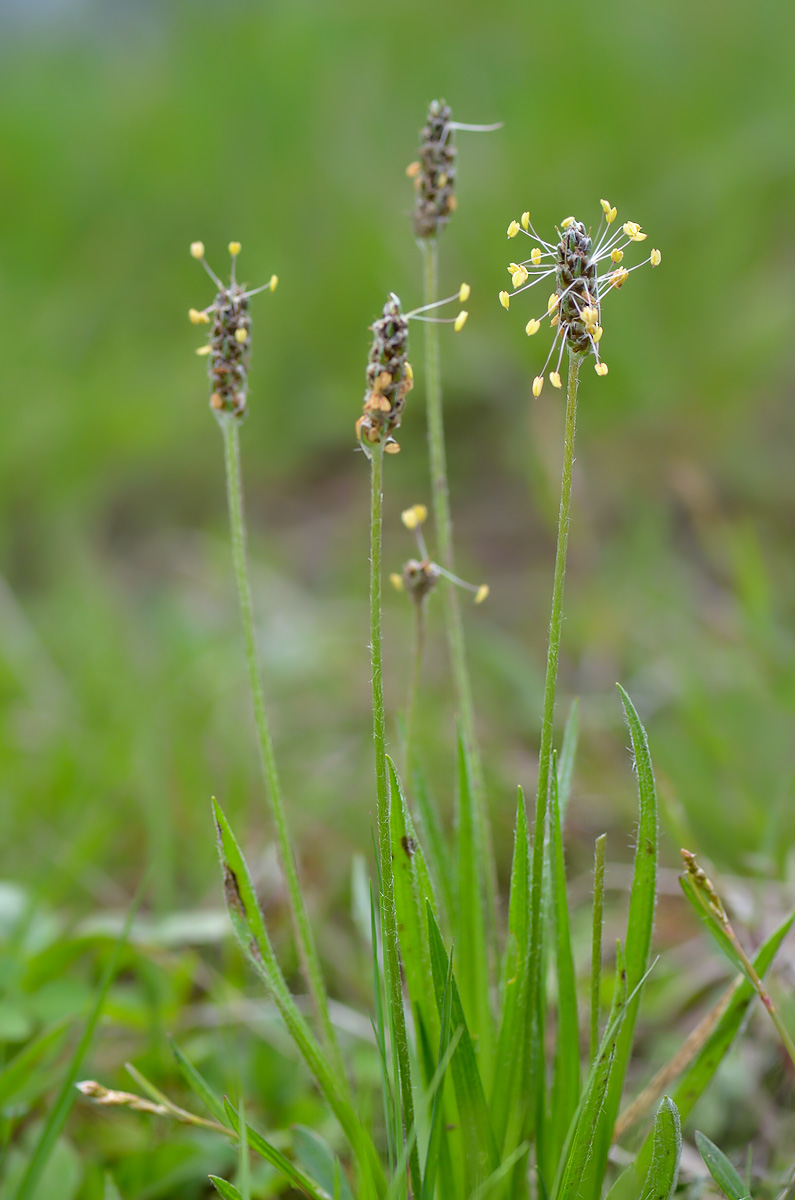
column 129, row 130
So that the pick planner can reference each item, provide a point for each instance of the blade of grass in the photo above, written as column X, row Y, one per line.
column 437, row 1152
column 568, row 754
column 225, row 1188
column 471, row 933
column 640, row 922
column 317, row 1157
column 249, row 925
column 439, row 857
column 721, row 1170
column 198, row 1084
column 56, row 1118
column 596, row 939
column 17, row 1073
column 566, row 1078
column 663, row 1172
column 248, row 1136
column 479, row 1145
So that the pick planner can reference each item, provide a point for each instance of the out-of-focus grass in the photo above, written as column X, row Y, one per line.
column 136, row 128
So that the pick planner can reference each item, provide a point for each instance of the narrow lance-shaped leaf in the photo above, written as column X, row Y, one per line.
column 721, row 1170
column 666, row 1152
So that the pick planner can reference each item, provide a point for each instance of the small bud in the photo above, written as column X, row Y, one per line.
column 392, row 448
column 601, row 368
column 481, row 593
column 505, row 299
column 409, row 371
column 616, row 255
column 241, row 336
column 198, row 318
column 273, row 282
column 538, row 383
column 413, row 169
column 554, row 379
column 567, row 222
column 234, row 248
column 655, row 258
column 525, row 221
column 460, row 320
column 397, row 580
column 204, row 350
column 465, row 291
column 532, row 327
column 535, row 255
column 216, row 402
column 197, row 249
column 513, row 229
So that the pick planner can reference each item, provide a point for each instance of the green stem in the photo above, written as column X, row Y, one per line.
column 303, row 932
column 389, row 930
column 550, row 683
column 596, row 939
column 444, row 538
column 414, row 686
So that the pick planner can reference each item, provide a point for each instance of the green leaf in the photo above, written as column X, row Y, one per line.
column 439, row 857
column 322, row 1164
column 225, row 1189
column 566, row 1079
column 412, row 892
column 293, row 1174
column 717, row 932
column 721, row 1169
column 16, row 1076
column 480, row 1147
column 198, row 1084
column 470, row 925
column 576, row 1161
column 509, row 1061
column 640, row 922
column 568, row 753
column 56, row 1118
column 249, row 925
column 437, row 1156
column 666, row 1151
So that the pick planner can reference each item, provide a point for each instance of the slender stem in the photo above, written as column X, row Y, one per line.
column 553, row 653
column 444, row 537
column 388, row 911
column 303, row 932
column 596, row 939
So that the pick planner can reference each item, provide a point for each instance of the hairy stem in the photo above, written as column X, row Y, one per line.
column 303, row 932
column 414, row 685
column 388, row 911
column 444, row 537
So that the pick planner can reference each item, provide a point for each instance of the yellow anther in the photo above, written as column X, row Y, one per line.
column 535, row 255
column 392, row 448
column 619, row 277
column 605, row 206
column 273, row 282
column 198, row 318
column 396, row 581
column 481, row 593
column 554, row 379
column 460, row 320
column 505, row 299
column 553, row 302
column 216, row 402
column 234, row 249
column 596, row 334
column 601, row 368
column 589, row 316
column 464, row 293
column 409, row 371
column 632, row 230
column 442, row 180
column 519, row 275
column 197, row 249
column 413, row 169
column 204, row 350
column 241, row 336
column 525, row 221
column 611, row 216
column 555, row 320
column 513, row 229
column 532, row 327
column 655, row 258
column 538, row 383
column 567, row 222
column 616, row 255
column 414, row 516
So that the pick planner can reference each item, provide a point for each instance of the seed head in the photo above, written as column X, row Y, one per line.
column 229, row 338
column 388, row 379
column 434, row 174
column 573, row 263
